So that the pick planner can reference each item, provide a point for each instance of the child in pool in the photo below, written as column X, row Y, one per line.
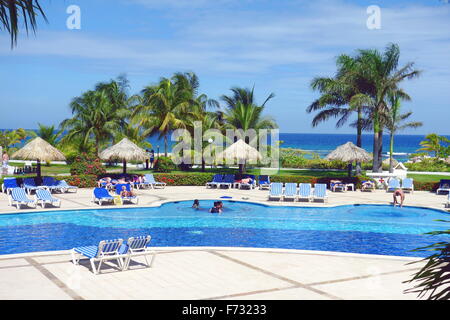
column 196, row 204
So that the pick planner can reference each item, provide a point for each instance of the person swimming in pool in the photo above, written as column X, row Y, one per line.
column 196, row 204
column 216, row 208
column 401, row 194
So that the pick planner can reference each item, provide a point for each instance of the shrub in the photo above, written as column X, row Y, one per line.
column 81, row 181
column 85, row 164
column 198, row 179
column 431, row 165
column 164, row 164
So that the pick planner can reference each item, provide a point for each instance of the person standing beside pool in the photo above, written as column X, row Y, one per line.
column 401, row 194
column 152, row 158
column 5, row 161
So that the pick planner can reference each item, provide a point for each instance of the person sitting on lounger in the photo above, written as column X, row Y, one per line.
column 104, row 182
column 335, row 183
column 367, row 185
column 125, row 193
column 399, row 193
column 196, row 204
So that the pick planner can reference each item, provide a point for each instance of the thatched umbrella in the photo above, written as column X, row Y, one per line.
column 40, row 150
column 124, row 151
column 241, row 152
column 349, row 153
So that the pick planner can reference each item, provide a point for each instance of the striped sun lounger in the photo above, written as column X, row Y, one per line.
column 137, row 246
column 50, row 183
column 227, row 181
column 150, row 180
column 106, row 250
column 44, row 196
column 64, row 186
column 393, row 184
column 9, row 184
column 304, row 191
column 408, row 184
column 290, row 191
column 276, row 190
column 30, row 185
column 18, row 197
column 320, row 192
column 264, row 182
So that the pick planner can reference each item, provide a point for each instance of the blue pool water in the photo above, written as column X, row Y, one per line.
column 372, row 229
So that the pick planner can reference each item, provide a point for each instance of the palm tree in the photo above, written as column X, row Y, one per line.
column 48, row 134
column 432, row 143
column 394, row 124
column 379, row 75
column 10, row 12
column 94, row 117
column 163, row 108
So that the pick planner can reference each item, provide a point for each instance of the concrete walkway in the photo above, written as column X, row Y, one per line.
column 211, row 273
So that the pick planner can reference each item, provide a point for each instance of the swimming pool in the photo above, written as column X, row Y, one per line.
column 371, row 229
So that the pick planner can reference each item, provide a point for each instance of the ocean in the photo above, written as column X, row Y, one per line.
column 322, row 144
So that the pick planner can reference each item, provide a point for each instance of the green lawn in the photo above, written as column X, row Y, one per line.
column 427, row 177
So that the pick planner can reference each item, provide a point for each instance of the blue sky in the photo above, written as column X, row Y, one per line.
column 276, row 45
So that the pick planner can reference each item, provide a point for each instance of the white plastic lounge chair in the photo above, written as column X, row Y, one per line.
column 367, row 185
column 44, row 196
column 138, row 246
column 106, row 250
column 30, row 185
column 444, row 186
column 408, row 184
column 290, row 191
column 150, row 180
column 334, row 186
column 320, row 192
column 217, row 179
column 276, row 190
column 304, row 191
column 126, row 198
column 64, row 186
column 227, row 181
column 9, row 184
column 102, row 195
column 393, row 184
column 264, row 182
column 50, row 184
column 18, row 197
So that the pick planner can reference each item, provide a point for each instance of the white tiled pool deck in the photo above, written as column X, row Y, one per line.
column 215, row 273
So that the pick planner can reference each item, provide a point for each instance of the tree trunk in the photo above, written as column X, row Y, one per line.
column 124, row 163
column 391, row 151
column 203, row 165
column 375, row 150
column 380, row 151
column 165, row 145
column 350, row 169
column 359, row 140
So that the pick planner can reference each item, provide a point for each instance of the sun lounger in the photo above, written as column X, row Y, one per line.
column 8, row 184
column 44, row 196
column 227, row 181
column 276, row 190
column 30, row 185
column 149, row 179
column 334, row 186
column 50, row 183
column 250, row 185
column 408, row 185
column 64, row 187
column 393, row 185
column 367, row 185
column 217, row 179
column 18, row 197
column 320, row 192
column 106, row 250
column 304, row 191
column 102, row 195
column 444, row 186
column 128, row 188
column 263, row 182
column 290, row 191
column 135, row 247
